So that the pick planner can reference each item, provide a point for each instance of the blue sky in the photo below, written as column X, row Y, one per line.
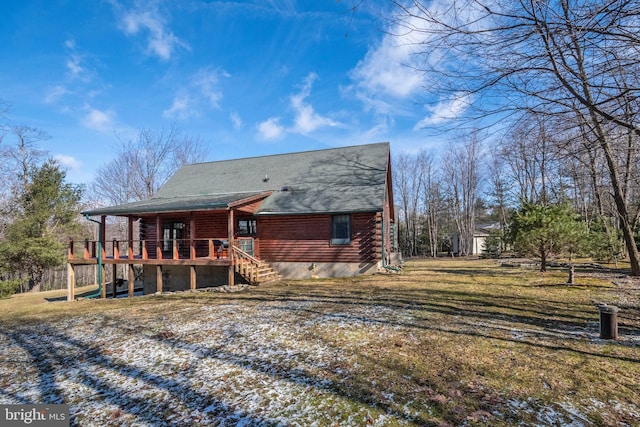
column 248, row 77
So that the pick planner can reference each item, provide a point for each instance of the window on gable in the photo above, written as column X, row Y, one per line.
column 340, row 229
column 247, row 227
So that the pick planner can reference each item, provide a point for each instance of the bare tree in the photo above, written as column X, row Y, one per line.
column 461, row 167
column 564, row 58
column 499, row 199
column 433, row 200
column 408, row 182
column 21, row 155
column 143, row 164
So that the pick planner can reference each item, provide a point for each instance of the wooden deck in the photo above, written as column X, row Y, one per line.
column 189, row 253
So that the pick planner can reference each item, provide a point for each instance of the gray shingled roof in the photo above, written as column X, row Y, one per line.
column 348, row 179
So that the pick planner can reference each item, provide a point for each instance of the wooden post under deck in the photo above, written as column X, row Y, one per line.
column 114, row 292
column 230, row 251
column 192, row 277
column 103, row 292
column 132, row 278
column 159, row 279
column 71, row 282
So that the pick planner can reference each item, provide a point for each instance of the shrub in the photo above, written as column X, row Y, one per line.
column 8, row 287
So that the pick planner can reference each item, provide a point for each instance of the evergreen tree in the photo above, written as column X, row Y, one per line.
column 45, row 216
column 547, row 230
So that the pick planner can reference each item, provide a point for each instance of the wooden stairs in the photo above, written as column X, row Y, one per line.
column 255, row 271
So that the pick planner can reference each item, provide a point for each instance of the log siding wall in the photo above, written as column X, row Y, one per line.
column 307, row 238
column 295, row 238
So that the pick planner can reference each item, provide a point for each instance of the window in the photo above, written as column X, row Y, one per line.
column 340, row 230
column 247, row 227
column 172, row 231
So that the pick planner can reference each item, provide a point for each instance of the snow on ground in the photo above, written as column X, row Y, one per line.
column 241, row 363
column 221, row 365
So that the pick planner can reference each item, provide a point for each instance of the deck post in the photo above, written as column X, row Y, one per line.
column 132, row 278
column 212, row 249
column 231, row 274
column 159, row 278
column 114, row 292
column 192, row 277
column 71, row 282
column 103, row 291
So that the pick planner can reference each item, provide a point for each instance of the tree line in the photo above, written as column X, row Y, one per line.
column 40, row 210
column 562, row 78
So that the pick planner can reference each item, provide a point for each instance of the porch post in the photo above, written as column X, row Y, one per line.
column 71, row 282
column 130, row 236
column 158, row 237
column 231, row 274
column 192, row 235
column 103, row 234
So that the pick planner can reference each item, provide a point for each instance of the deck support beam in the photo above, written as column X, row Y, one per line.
column 230, row 228
column 114, row 280
column 132, row 278
column 192, row 277
column 103, row 291
column 159, row 278
column 71, row 282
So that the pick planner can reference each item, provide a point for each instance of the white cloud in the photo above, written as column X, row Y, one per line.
column 74, row 67
column 75, row 63
column 306, row 119
column 445, row 110
column 55, row 93
column 394, row 69
column 68, row 162
column 95, row 119
column 181, row 108
column 387, row 69
column 206, row 81
column 236, row 120
column 160, row 39
column 201, row 92
column 271, row 129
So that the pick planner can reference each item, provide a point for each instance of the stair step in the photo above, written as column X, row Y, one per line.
column 255, row 271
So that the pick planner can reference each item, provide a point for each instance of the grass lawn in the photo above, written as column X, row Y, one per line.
column 444, row 343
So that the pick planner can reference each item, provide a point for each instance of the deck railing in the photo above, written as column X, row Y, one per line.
column 211, row 248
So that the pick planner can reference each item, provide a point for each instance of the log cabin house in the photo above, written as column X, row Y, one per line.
column 324, row 213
